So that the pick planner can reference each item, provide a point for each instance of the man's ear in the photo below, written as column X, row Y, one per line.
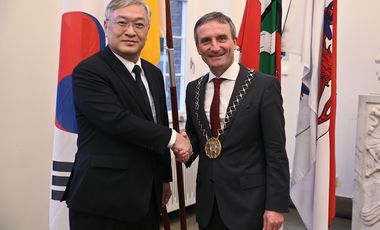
column 105, row 25
column 197, row 45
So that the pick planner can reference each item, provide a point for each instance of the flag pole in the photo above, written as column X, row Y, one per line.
column 173, row 94
column 165, row 218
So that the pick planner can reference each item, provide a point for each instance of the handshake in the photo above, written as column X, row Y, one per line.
column 182, row 147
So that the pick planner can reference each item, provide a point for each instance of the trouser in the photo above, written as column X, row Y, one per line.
column 87, row 221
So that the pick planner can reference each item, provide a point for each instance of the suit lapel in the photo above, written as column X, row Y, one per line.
column 128, row 81
column 202, row 113
column 153, row 88
column 240, row 80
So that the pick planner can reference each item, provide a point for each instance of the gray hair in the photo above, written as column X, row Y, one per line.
column 117, row 4
column 214, row 16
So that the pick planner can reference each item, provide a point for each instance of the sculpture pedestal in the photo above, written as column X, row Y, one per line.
column 366, row 202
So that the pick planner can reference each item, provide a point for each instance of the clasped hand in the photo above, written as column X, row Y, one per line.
column 182, row 147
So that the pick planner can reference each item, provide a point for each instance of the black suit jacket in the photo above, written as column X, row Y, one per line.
column 252, row 173
column 122, row 158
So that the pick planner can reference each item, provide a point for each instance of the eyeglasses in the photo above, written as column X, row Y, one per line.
column 124, row 25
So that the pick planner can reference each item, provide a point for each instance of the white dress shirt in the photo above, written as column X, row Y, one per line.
column 226, row 88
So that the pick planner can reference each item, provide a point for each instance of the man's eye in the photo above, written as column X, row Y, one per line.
column 205, row 41
column 122, row 23
column 139, row 25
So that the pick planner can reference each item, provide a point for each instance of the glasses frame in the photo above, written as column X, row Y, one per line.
column 124, row 24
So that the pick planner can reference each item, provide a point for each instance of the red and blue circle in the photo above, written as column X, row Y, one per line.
column 81, row 36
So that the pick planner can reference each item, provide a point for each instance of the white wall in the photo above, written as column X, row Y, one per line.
column 29, row 38
column 29, row 49
column 358, row 45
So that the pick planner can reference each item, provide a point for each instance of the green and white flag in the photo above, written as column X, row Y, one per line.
column 270, row 37
column 260, row 36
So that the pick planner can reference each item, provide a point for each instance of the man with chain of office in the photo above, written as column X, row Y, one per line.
column 236, row 125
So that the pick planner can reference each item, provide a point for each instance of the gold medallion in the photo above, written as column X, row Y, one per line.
column 213, row 147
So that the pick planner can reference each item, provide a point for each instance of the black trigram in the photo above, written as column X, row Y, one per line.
column 60, row 177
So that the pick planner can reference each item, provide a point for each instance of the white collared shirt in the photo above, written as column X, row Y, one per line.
column 226, row 88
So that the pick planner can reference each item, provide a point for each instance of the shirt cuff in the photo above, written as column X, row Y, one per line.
column 172, row 139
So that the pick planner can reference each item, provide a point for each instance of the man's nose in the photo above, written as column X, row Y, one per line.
column 130, row 30
column 215, row 45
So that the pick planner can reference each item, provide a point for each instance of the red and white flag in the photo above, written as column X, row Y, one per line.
column 81, row 36
column 310, row 33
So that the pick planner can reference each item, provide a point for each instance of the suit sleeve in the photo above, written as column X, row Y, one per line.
column 273, row 130
column 96, row 99
column 166, row 159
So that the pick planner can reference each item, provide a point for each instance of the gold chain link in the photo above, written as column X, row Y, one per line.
column 230, row 110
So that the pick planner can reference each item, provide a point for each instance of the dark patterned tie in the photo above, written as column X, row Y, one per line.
column 140, row 84
column 214, row 110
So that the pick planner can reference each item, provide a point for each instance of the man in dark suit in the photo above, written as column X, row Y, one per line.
column 122, row 168
column 236, row 126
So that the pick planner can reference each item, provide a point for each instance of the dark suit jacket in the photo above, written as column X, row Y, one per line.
column 122, row 158
column 252, row 173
